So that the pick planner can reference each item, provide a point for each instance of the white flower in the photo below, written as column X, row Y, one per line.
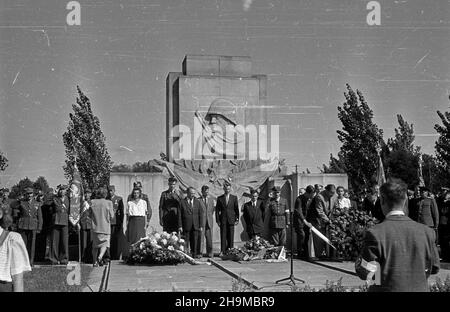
column 174, row 238
column 182, row 248
column 181, row 241
column 170, row 248
column 157, row 236
column 163, row 242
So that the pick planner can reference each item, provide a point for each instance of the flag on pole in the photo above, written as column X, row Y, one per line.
column 381, row 178
column 420, row 173
column 75, row 196
column 321, row 236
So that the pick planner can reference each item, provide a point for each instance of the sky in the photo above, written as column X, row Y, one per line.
column 121, row 54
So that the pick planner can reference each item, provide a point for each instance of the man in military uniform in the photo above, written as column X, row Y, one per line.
column 29, row 215
column 169, row 205
column 59, row 247
column 278, row 214
column 116, row 222
column 43, row 238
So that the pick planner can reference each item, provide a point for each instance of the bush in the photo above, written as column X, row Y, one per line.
column 347, row 231
column 440, row 286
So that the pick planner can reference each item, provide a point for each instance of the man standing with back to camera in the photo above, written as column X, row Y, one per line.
column 405, row 250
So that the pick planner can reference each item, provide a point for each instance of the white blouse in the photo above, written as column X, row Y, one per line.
column 344, row 203
column 137, row 210
column 13, row 257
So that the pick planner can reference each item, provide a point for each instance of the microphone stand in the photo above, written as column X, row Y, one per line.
column 291, row 278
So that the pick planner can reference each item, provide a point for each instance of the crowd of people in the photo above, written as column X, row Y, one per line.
column 315, row 205
column 39, row 224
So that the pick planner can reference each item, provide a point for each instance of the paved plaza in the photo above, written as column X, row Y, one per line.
column 218, row 275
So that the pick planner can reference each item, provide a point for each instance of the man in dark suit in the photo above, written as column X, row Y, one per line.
column 319, row 214
column 278, row 214
column 116, row 222
column 29, row 215
column 59, row 247
column 191, row 220
column 169, row 204
column 209, row 206
column 405, row 250
column 227, row 216
column 372, row 203
column 253, row 215
column 302, row 205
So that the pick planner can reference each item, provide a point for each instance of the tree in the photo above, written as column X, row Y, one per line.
column 360, row 137
column 442, row 145
column 85, row 143
column 402, row 156
column 20, row 187
column 41, row 184
column 404, row 137
column 335, row 165
column 435, row 177
column 3, row 161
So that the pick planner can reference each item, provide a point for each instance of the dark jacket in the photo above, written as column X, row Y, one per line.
column 254, row 218
column 278, row 213
column 29, row 214
column 85, row 216
column 406, row 252
column 319, row 213
column 227, row 213
column 302, row 203
column 60, row 210
column 209, row 210
column 169, row 205
column 428, row 213
column 191, row 217
column 117, row 202
column 373, row 208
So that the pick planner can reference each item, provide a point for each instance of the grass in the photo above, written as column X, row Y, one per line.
column 54, row 279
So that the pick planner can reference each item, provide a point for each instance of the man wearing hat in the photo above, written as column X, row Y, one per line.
column 278, row 214
column 29, row 214
column 169, row 206
column 59, row 247
column 116, row 222
column 427, row 210
column 253, row 214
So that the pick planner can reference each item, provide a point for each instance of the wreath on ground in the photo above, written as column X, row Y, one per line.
column 347, row 231
column 255, row 249
column 157, row 249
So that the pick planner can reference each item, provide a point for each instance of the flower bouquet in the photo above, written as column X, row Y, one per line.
column 255, row 249
column 347, row 231
column 157, row 249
